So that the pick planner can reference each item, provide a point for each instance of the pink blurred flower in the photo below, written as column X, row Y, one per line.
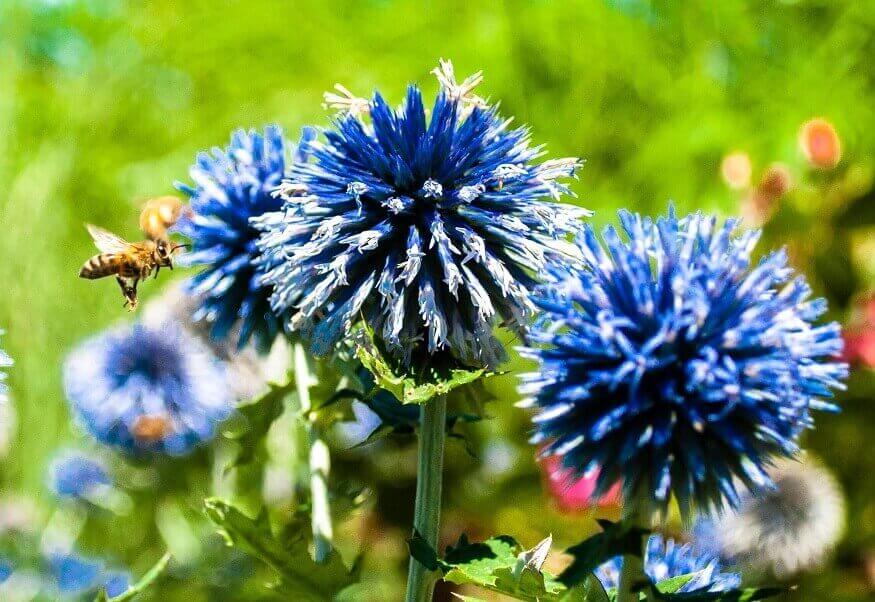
column 860, row 335
column 575, row 494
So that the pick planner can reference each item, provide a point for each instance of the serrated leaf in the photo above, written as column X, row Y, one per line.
column 535, row 557
column 593, row 590
column 616, row 539
column 258, row 416
column 300, row 577
column 140, row 586
column 408, row 388
column 673, row 584
column 498, row 564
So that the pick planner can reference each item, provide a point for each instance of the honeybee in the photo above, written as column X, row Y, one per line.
column 161, row 213
column 129, row 262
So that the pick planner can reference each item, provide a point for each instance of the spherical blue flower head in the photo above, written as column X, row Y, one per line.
column 664, row 559
column 673, row 365
column 232, row 185
column 147, row 389
column 77, row 476
column 430, row 229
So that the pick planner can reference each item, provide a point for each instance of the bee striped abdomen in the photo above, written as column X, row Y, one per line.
column 99, row 266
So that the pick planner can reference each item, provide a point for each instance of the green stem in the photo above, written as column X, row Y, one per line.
column 319, row 463
column 426, row 519
column 633, row 568
column 632, row 572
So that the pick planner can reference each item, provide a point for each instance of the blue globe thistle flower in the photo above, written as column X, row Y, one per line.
column 77, row 476
column 673, row 366
column 665, row 559
column 432, row 230
column 232, row 185
column 147, row 389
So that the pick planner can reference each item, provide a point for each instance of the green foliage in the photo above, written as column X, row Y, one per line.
column 140, row 586
column 408, row 388
column 257, row 416
column 501, row 565
column 744, row 595
column 498, row 564
column 616, row 539
column 298, row 575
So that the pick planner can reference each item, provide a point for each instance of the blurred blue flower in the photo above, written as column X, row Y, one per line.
column 664, row 559
column 75, row 574
column 431, row 229
column 77, row 476
column 145, row 388
column 6, row 568
column 116, row 583
column 232, row 185
column 674, row 366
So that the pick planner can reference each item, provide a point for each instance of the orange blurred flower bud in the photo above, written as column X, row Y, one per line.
column 776, row 181
column 736, row 169
column 820, row 143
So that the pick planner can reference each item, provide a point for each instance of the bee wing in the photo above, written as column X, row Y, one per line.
column 106, row 241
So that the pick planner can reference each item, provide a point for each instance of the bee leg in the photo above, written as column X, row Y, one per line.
column 123, row 286
column 131, row 295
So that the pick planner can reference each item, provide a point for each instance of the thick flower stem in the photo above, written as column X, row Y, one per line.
column 319, row 463
column 426, row 519
column 632, row 572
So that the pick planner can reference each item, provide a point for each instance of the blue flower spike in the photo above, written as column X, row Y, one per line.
column 147, row 389
column 675, row 365
column 232, row 185
column 430, row 226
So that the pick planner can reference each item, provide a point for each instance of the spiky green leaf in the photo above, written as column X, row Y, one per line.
column 616, row 539
column 256, row 418
column 299, row 577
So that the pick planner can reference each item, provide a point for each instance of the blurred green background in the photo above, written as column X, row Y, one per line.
column 104, row 103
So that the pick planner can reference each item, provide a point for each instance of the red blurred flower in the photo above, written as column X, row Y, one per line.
column 575, row 494
column 820, row 143
column 860, row 335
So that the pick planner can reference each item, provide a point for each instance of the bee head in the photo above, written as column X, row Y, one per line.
column 164, row 253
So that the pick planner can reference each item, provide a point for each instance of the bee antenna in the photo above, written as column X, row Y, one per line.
column 182, row 246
